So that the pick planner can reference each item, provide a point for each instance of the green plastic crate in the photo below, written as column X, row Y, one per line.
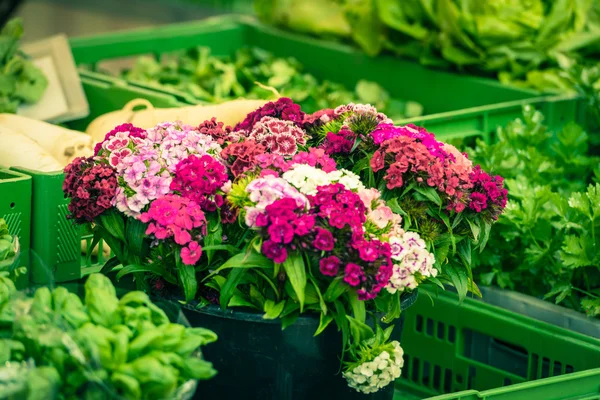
column 577, row 386
column 440, row 92
column 15, row 208
column 452, row 347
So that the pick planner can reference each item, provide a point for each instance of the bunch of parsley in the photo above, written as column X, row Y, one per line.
column 547, row 242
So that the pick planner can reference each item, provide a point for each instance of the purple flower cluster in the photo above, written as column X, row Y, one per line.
column 284, row 108
column 91, row 188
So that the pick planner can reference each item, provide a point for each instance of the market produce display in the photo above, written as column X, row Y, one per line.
column 215, row 79
column 547, row 242
column 21, row 82
column 529, row 43
column 54, row 346
column 336, row 213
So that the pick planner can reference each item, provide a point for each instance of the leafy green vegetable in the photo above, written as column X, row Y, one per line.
column 64, row 349
column 20, row 80
column 215, row 78
column 547, row 242
column 523, row 42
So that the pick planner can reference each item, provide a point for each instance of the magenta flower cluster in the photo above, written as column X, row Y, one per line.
column 489, row 195
column 91, row 188
column 198, row 178
column 179, row 218
column 364, row 263
column 339, row 143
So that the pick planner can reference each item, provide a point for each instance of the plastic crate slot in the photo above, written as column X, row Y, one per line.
column 569, row 369
column 447, row 386
column 440, row 330
column 426, row 374
column 470, row 376
column 451, row 334
column 429, row 327
column 496, row 353
column 416, row 371
column 459, row 379
column 12, row 205
column 437, row 377
column 419, row 323
column 507, row 382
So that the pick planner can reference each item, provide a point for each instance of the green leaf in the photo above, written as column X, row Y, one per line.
column 150, row 268
column 226, row 247
column 394, row 308
column 187, row 278
column 458, row 277
column 336, row 288
column 359, row 330
column 232, row 280
column 296, row 272
column 135, row 232
column 249, row 259
column 430, row 194
column 318, row 291
column 109, row 265
column 486, row 236
column 272, row 309
column 475, row 229
column 214, row 236
column 289, row 319
column 324, row 322
column 113, row 223
column 358, row 306
column 239, row 300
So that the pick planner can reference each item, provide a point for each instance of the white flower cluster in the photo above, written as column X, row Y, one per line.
column 370, row 376
column 306, row 178
column 362, row 110
column 411, row 259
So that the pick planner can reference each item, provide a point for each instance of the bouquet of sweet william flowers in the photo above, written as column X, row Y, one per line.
column 338, row 213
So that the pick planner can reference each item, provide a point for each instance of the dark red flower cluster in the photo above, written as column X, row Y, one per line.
column 199, row 178
column 133, row 131
column 284, row 108
column 488, row 195
column 406, row 158
column 216, row 130
column 242, row 156
column 229, row 214
column 339, row 143
column 91, row 188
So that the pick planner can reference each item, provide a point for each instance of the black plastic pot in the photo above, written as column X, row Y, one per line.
column 256, row 359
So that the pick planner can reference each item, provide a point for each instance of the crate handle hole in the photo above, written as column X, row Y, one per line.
column 12, row 205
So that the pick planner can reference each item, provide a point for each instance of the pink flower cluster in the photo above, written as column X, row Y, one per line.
column 123, row 132
column 276, row 164
column 385, row 132
column 284, row 108
column 352, row 112
column 409, row 160
column 198, row 178
column 489, row 195
column 278, row 136
column 173, row 216
column 379, row 214
column 91, row 188
column 319, row 118
column 146, row 174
